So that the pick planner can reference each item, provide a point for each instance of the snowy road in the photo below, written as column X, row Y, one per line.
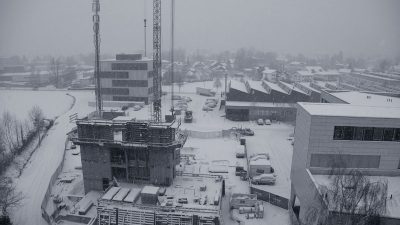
column 35, row 178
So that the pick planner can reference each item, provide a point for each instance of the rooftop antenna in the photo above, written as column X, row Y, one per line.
column 172, row 55
column 96, row 29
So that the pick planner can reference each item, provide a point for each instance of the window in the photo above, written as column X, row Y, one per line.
column 378, row 134
column 338, row 133
column 130, row 98
column 358, row 133
column 347, row 161
column 115, row 91
column 397, row 135
column 129, row 66
column 129, row 83
column 388, row 134
column 260, row 171
column 348, row 133
column 114, row 75
column 368, row 134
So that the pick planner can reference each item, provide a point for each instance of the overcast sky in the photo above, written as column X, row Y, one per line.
column 64, row 27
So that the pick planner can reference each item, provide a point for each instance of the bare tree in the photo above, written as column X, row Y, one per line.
column 37, row 118
column 217, row 83
column 8, row 126
column 9, row 197
column 351, row 198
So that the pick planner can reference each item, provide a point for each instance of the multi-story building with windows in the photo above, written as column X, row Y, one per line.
column 127, row 78
column 365, row 137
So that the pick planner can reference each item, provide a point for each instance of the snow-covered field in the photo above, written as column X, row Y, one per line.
column 19, row 102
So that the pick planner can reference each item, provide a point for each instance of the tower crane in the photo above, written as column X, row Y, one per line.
column 157, row 61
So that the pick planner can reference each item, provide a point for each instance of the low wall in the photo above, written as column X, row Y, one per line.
column 50, row 218
column 207, row 134
column 271, row 198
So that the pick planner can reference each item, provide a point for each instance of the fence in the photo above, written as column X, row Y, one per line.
column 271, row 198
column 208, row 134
column 50, row 218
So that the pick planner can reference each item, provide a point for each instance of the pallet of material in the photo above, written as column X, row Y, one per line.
column 111, row 193
column 122, row 193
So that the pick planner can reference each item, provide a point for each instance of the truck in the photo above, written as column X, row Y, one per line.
column 188, row 116
column 204, row 91
column 240, row 151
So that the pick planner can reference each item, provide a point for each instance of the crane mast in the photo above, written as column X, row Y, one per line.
column 96, row 30
column 157, row 60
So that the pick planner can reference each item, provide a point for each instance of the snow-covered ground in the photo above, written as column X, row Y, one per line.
column 19, row 102
column 272, row 139
column 35, row 178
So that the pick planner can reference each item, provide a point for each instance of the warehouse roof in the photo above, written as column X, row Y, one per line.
column 360, row 98
column 350, row 110
column 237, row 85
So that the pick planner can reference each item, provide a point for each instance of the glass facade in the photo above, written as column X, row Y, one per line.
column 366, row 133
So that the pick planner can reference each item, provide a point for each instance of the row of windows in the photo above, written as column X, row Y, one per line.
column 366, row 133
column 129, row 66
column 114, row 75
column 130, row 98
column 129, row 83
column 115, row 91
column 344, row 161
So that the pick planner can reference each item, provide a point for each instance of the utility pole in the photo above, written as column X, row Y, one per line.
column 96, row 29
column 145, row 45
column 157, row 60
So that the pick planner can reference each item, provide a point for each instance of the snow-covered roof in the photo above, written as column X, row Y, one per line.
column 314, row 69
column 308, row 86
column 237, row 85
column 376, row 77
column 393, row 184
column 293, row 87
column 350, row 110
column 111, row 193
column 260, row 162
column 258, row 104
column 360, row 98
column 257, row 85
column 304, row 73
column 152, row 190
column 274, row 87
column 268, row 71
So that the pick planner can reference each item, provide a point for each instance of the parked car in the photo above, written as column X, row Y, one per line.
column 188, row 116
column 268, row 179
column 176, row 97
column 137, row 108
column 267, row 122
column 243, row 131
column 260, row 122
column 206, row 108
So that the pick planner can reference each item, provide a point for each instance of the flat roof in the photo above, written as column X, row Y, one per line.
column 350, row 110
column 374, row 76
column 392, row 204
column 152, row 190
column 360, row 98
column 257, row 85
column 237, row 85
column 259, row 104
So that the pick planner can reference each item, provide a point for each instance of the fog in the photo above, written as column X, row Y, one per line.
column 64, row 27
